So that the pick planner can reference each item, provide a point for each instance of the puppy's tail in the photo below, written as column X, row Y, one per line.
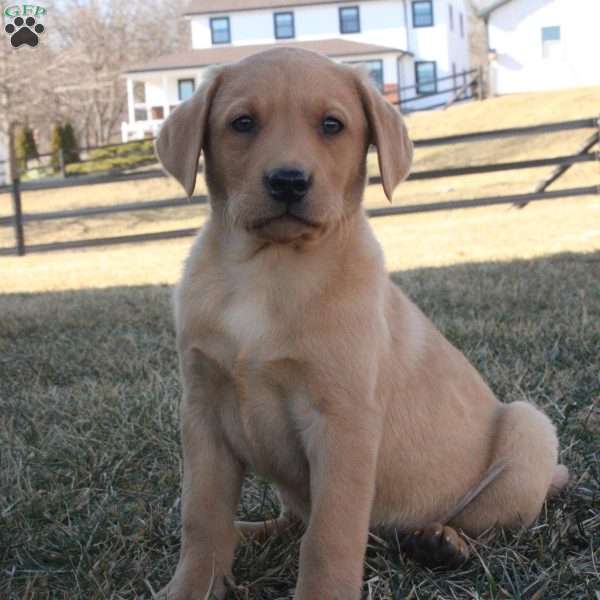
column 493, row 472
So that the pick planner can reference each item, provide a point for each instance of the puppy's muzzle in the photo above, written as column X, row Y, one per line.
column 287, row 186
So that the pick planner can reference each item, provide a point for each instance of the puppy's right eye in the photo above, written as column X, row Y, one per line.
column 244, row 124
column 331, row 126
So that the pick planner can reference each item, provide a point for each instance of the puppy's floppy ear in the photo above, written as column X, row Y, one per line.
column 388, row 133
column 182, row 135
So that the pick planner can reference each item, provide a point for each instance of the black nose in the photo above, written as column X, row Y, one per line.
column 287, row 185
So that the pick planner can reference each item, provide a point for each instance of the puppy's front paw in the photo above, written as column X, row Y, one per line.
column 187, row 585
column 436, row 545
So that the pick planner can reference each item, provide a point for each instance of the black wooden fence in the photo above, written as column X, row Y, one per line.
column 465, row 85
column 19, row 219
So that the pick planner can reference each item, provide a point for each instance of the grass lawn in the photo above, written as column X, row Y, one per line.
column 90, row 462
column 89, row 445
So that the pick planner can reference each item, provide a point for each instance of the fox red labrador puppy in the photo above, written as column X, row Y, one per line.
column 302, row 362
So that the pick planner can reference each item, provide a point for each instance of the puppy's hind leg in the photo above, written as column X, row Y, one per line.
column 436, row 545
column 524, row 472
column 439, row 545
column 525, row 441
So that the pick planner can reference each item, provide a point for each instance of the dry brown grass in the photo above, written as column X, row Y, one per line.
column 90, row 459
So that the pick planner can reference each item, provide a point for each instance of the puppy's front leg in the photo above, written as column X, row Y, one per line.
column 212, row 480
column 342, row 455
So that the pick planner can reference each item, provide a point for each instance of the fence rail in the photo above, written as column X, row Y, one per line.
column 109, row 177
column 540, row 193
column 462, row 74
column 463, row 86
column 493, row 134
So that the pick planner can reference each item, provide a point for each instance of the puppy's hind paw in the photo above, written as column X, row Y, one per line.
column 436, row 545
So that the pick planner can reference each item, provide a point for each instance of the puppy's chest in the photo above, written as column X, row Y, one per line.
column 269, row 383
column 264, row 426
column 252, row 324
column 248, row 323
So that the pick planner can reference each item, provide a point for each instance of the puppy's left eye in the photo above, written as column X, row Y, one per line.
column 331, row 126
column 244, row 124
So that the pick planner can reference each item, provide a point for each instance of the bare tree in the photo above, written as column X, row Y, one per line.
column 99, row 40
column 76, row 72
column 23, row 73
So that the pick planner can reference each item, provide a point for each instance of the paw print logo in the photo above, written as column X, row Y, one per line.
column 24, row 31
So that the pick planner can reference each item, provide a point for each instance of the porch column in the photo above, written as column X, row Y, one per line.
column 165, row 87
column 130, row 101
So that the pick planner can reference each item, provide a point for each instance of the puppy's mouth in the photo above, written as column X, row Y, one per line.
column 284, row 217
column 286, row 227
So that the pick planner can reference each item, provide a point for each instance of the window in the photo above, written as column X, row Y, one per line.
column 426, row 75
column 219, row 30
column 374, row 69
column 139, row 92
column 185, row 88
column 140, row 111
column 349, row 19
column 422, row 13
column 451, row 17
column 284, row 25
column 157, row 113
column 551, row 46
column 140, row 114
column 461, row 19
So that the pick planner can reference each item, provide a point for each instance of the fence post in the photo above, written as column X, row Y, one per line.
column 598, row 151
column 16, row 191
column 481, row 83
column 61, row 162
column 18, row 217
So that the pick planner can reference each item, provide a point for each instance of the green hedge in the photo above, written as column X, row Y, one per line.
column 141, row 147
column 107, row 164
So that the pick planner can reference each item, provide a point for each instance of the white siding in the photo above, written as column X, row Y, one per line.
column 515, row 33
column 381, row 23
column 161, row 88
column 458, row 47
column 390, row 65
column 442, row 45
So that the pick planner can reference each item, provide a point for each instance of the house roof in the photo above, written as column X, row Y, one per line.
column 199, row 7
column 485, row 8
column 334, row 48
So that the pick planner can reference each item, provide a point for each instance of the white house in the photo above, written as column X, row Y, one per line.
column 401, row 43
column 542, row 44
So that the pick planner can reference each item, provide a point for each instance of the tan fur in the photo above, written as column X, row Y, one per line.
column 301, row 361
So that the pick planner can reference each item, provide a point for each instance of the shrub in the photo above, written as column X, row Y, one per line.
column 62, row 137
column 121, row 156
column 25, row 147
column 69, row 144
column 55, row 146
column 143, row 147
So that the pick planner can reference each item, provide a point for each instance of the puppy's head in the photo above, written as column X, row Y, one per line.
column 285, row 135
